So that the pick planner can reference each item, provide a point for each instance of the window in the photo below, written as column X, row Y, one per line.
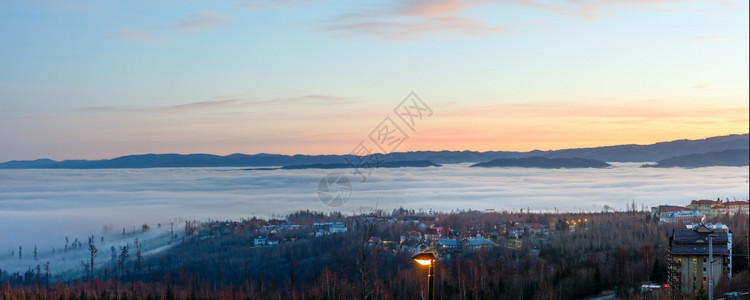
column 695, row 259
column 695, row 269
column 704, row 271
column 704, row 260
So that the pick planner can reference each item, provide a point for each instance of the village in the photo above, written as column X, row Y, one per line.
column 451, row 235
column 411, row 234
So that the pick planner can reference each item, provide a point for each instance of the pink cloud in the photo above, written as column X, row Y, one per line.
column 406, row 30
column 433, row 7
column 412, row 20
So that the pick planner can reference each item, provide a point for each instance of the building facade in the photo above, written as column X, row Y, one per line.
column 689, row 263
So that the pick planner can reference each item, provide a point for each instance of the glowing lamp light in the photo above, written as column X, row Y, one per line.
column 424, row 258
column 427, row 259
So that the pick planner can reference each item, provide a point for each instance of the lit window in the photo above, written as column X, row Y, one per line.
column 695, row 269
column 695, row 259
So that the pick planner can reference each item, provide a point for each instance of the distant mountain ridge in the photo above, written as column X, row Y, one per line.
column 385, row 164
column 728, row 158
column 620, row 153
column 544, row 163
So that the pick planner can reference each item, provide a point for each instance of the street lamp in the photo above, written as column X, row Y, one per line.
column 427, row 259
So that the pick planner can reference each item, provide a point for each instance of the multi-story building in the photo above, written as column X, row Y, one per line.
column 712, row 208
column 706, row 207
column 735, row 207
column 689, row 262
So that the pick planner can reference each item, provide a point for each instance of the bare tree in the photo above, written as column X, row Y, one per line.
column 92, row 250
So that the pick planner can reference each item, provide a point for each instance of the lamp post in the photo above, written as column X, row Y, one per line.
column 427, row 259
column 711, row 266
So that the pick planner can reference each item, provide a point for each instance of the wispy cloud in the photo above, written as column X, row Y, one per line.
column 407, row 30
column 415, row 19
column 410, row 21
column 433, row 8
column 199, row 106
column 233, row 103
column 190, row 23
column 311, row 99
column 593, row 9
column 200, row 21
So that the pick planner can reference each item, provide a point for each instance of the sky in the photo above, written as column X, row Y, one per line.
column 100, row 79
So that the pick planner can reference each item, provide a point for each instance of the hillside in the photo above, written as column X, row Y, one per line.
column 730, row 158
column 543, row 162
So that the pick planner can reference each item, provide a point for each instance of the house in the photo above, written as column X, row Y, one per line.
column 326, row 228
column 411, row 235
column 476, row 243
column 689, row 261
column 411, row 246
column 448, row 247
column 260, row 241
column 432, row 234
column 337, row 227
column 669, row 213
column 530, row 229
column 270, row 240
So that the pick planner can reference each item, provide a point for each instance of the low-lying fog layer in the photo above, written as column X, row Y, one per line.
column 41, row 207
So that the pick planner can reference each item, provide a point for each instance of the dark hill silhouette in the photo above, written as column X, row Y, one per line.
column 543, row 162
column 731, row 158
column 385, row 164
column 621, row 153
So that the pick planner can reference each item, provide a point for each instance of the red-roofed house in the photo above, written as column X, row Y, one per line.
column 735, row 207
column 433, row 233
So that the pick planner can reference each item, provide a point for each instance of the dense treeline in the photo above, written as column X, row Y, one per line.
column 614, row 252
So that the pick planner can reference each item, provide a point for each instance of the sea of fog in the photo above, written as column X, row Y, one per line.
column 42, row 207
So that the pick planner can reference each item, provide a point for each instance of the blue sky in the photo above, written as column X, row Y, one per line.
column 99, row 79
